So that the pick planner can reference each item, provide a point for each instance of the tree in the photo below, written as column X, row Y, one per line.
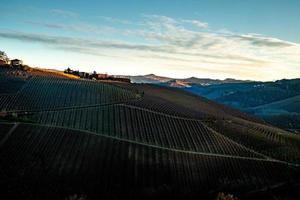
column 4, row 57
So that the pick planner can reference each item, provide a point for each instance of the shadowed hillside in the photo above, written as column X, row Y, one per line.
column 62, row 137
column 275, row 102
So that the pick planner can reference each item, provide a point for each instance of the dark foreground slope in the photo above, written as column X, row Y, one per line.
column 44, row 162
column 63, row 138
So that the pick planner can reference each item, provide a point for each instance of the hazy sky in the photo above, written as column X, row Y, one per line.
column 244, row 39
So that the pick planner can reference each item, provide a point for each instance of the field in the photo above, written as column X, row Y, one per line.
column 62, row 137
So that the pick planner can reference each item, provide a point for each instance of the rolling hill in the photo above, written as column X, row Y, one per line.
column 284, row 113
column 288, row 105
column 152, row 78
column 63, row 138
column 274, row 102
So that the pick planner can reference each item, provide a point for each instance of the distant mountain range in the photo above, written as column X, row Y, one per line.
column 276, row 102
column 181, row 83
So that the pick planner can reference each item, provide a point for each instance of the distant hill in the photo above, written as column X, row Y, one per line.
column 269, row 100
column 208, row 81
column 288, row 105
column 186, row 82
column 284, row 113
column 149, row 78
column 276, row 102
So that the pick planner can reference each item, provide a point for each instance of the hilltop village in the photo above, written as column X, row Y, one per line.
column 95, row 75
column 6, row 62
column 18, row 64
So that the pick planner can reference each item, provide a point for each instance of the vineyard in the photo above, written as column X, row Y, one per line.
column 40, row 154
column 180, row 103
column 269, row 141
column 144, row 126
column 60, row 137
column 4, row 129
column 46, row 93
column 14, row 83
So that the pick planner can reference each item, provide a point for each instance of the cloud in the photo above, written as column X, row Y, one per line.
column 78, row 42
column 78, row 27
column 84, row 50
column 161, row 19
column 264, row 41
column 114, row 20
column 158, row 52
column 196, row 23
column 64, row 13
column 166, row 41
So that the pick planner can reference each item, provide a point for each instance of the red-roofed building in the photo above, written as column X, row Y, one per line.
column 102, row 76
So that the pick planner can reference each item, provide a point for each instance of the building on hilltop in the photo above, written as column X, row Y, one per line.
column 84, row 75
column 102, row 76
column 16, row 63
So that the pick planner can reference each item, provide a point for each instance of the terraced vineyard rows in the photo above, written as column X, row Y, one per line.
column 4, row 128
column 152, row 100
column 10, row 84
column 17, row 84
column 140, row 125
column 180, row 103
column 161, row 105
column 44, row 93
column 279, row 145
column 78, row 162
column 104, row 141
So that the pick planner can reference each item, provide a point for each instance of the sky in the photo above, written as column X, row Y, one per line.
column 242, row 39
